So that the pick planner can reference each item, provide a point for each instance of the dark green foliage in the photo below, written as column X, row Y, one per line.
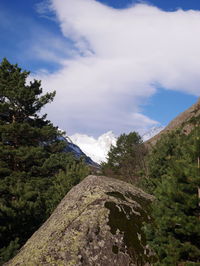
column 63, row 181
column 31, row 156
column 8, row 252
column 159, row 159
column 19, row 101
column 126, row 159
column 175, row 178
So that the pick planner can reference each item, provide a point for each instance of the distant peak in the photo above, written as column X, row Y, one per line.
column 152, row 132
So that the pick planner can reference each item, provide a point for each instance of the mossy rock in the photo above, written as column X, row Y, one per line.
column 99, row 222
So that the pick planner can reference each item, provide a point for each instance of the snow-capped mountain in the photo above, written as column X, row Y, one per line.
column 71, row 147
column 98, row 148
column 152, row 132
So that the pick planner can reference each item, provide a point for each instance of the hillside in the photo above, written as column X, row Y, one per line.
column 177, row 122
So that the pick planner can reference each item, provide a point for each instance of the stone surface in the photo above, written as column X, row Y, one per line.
column 97, row 223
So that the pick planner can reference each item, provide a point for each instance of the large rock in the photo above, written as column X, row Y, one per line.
column 97, row 223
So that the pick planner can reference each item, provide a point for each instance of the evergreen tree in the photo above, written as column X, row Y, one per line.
column 175, row 233
column 158, row 160
column 126, row 159
column 63, row 181
column 31, row 155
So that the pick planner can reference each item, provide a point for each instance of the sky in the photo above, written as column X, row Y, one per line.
column 116, row 65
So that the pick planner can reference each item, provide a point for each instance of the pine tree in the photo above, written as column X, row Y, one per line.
column 158, row 160
column 64, row 180
column 175, row 232
column 126, row 159
column 31, row 154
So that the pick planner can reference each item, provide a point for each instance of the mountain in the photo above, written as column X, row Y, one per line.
column 99, row 222
column 71, row 147
column 180, row 121
column 152, row 132
column 98, row 148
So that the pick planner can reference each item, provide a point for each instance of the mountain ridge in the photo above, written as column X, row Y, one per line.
column 77, row 151
column 180, row 120
column 97, row 148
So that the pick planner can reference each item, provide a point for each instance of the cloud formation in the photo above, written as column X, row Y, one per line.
column 120, row 59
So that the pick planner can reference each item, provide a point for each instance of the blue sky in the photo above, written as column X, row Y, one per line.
column 168, row 5
column 68, row 52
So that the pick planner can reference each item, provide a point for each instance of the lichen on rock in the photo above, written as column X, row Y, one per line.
column 99, row 222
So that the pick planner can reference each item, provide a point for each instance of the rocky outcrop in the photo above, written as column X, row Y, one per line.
column 97, row 223
column 182, row 120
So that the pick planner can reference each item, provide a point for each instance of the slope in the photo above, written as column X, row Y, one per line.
column 180, row 121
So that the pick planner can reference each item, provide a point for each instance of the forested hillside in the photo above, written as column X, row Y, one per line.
column 35, row 173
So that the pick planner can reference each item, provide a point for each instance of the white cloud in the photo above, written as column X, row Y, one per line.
column 122, row 57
